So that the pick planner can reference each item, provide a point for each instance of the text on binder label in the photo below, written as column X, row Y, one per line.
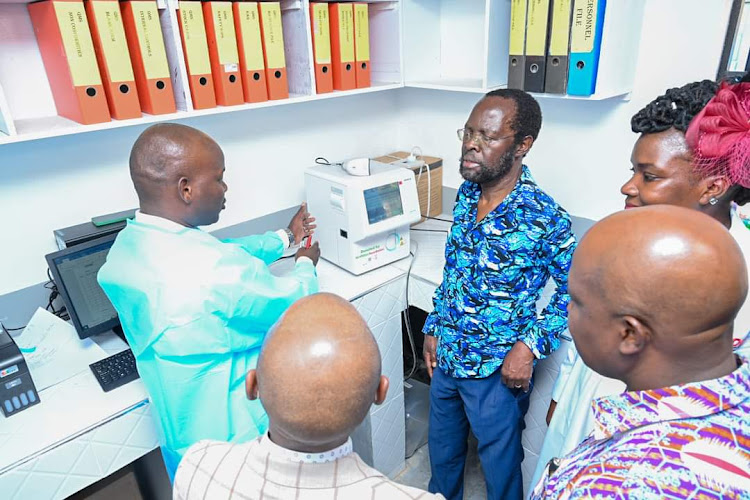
column 150, row 40
column 112, row 38
column 226, row 39
column 584, row 26
column 559, row 34
column 250, row 30
column 77, row 42
column 362, row 32
column 517, row 26
column 273, row 35
column 322, row 34
column 194, row 36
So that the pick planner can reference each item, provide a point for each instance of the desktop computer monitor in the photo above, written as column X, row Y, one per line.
column 74, row 271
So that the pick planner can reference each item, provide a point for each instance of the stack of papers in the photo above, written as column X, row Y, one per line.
column 53, row 351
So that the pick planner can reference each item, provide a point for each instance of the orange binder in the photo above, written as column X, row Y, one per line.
column 362, row 45
column 321, row 37
column 64, row 39
column 342, row 45
column 114, row 58
column 195, row 47
column 273, row 50
column 146, row 44
column 222, row 50
column 252, row 67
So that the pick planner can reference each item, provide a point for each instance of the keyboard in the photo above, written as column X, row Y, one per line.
column 116, row 370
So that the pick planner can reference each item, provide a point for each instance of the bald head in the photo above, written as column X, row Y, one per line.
column 654, row 293
column 166, row 162
column 318, row 373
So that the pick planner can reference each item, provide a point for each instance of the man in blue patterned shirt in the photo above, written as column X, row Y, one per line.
column 481, row 341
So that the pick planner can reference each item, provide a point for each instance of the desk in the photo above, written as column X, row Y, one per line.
column 48, row 455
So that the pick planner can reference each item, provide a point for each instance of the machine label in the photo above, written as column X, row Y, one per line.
column 370, row 251
column 8, row 371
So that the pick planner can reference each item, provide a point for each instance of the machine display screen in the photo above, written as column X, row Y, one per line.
column 383, row 202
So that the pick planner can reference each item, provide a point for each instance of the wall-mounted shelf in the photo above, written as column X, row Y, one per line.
column 28, row 111
column 444, row 45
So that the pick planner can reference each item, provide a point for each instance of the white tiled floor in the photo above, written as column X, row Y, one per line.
column 417, row 473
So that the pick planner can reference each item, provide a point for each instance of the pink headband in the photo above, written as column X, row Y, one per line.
column 720, row 135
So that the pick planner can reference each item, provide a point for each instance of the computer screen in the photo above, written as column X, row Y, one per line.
column 383, row 202
column 74, row 271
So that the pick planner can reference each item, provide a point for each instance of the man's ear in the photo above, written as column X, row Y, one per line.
column 634, row 335
column 382, row 390
column 185, row 190
column 523, row 148
column 251, row 385
column 715, row 186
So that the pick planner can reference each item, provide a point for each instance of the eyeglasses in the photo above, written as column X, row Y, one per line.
column 483, row 140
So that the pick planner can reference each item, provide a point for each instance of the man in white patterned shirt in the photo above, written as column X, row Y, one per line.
column 318, row 374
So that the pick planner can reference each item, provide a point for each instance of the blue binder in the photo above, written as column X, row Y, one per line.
column 585, row 46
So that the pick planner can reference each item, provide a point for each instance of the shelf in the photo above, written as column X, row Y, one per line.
column 472, row 85
column 32, row 129
column 29, row 113
column 443, row 45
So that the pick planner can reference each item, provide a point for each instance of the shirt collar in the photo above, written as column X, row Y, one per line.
column 306, row 458
column 160, row 222
column 624, row 412
column 523, row 180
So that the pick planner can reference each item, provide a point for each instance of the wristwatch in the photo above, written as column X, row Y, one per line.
column 290, row 235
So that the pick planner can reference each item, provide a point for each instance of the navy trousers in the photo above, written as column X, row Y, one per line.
column 495, row 414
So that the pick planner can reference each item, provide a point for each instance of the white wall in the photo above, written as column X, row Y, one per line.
column 63, row 181
column 582, row 156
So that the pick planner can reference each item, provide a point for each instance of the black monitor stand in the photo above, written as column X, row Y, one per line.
column 118, row 331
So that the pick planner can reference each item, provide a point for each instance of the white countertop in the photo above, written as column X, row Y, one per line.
column 336, row 280
column 66, row 410
column 428, row 248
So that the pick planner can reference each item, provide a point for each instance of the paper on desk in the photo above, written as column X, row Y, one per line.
column 53, row 351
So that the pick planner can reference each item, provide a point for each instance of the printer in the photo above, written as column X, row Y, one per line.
column 17, row 390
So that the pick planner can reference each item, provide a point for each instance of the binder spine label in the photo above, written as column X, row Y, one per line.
column 583, row 29
column 274, row 38
column 113, row 42
column 150, row 40
column 517, row 26
column 536, row 28
column 560, row 32
column 250, row 29
column 194, row 33
column 362, row 32
column 226, row 39
column 77, row 43
column 321, row 34
column 346, row 32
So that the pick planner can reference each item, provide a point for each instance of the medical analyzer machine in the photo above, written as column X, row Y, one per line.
column 363, row 220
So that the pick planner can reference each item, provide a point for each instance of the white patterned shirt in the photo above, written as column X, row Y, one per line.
column 262, row 470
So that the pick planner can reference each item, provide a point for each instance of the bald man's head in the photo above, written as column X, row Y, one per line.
column 654, row 292
column 318, row 373
column 177, row 172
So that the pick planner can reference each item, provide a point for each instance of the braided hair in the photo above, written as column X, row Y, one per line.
column 676, row 108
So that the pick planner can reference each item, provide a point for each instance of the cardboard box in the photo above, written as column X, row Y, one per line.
column 427, row 187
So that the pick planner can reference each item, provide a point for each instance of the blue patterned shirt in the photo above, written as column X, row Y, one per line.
column 495, row 271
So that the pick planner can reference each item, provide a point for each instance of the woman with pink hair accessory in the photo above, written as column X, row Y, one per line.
column 693, row 151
